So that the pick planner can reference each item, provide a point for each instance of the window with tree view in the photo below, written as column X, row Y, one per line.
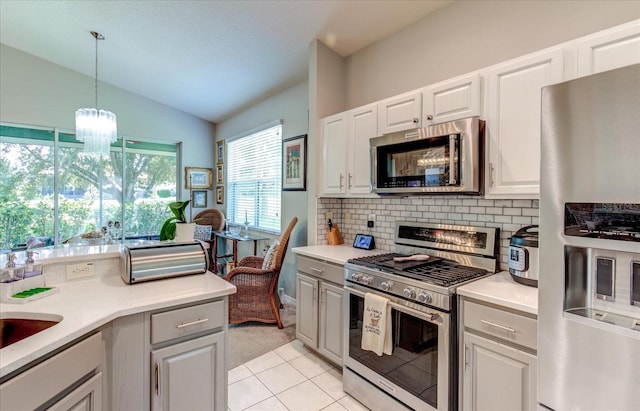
column 254, row 179
column 52, row 192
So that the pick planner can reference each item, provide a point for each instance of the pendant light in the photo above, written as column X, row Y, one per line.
column 96, row 128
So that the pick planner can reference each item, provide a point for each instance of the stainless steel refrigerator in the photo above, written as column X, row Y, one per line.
column 589, row 281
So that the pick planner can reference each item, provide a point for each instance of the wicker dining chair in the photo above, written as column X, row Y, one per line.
column 212, row 217
column 257, row 281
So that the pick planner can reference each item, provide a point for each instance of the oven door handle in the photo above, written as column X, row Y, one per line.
column 432, row 317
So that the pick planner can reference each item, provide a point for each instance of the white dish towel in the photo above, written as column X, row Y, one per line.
column 376, row 325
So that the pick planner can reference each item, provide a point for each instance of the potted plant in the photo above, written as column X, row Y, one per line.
column 176, row 227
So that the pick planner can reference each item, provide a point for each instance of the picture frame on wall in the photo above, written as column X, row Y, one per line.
column 199, row 199
column 219, row 195
column 294, row 163
column 220, row 174
column 220, row 152
column 198, row 177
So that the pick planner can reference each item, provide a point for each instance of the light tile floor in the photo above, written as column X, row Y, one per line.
column 289, row 378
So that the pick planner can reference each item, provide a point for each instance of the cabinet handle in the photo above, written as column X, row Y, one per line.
column 501, row 327
column 323, row 296
column 198, row 321
column 466, row 355
column 415, row 120
column 315, row 293
column 157, row 378
column 341, row 178
column 429, row 117
column 350, row 180
column 315, row 270
column 492, row 172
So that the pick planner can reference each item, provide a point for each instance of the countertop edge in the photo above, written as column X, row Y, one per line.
column 501, row 290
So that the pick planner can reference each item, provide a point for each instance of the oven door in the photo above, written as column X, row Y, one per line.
column 417, row 372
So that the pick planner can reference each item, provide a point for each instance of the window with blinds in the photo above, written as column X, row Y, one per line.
column 254, row 179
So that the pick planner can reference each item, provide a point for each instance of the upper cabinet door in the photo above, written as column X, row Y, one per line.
column 452, row 99
column 334, row 158
column 362, row 126
column 609, row 49
column 400, row 113
column 513, row 123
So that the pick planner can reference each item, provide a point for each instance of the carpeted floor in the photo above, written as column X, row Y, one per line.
column 250, row 340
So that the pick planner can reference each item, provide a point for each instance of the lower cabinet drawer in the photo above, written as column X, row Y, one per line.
column 185, row 321
column 506, row 325
column 320, row 269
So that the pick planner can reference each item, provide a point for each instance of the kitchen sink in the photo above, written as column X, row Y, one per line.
column 16, row 327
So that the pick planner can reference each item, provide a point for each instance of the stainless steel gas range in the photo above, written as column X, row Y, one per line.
column 421, row 372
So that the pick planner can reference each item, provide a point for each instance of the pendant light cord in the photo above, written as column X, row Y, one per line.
column 97, row 36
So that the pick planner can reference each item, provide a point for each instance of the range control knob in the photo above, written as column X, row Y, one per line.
column 409, row 293
column 356, row 276
column 386, row 285
column 367, row 279
column 424, row 297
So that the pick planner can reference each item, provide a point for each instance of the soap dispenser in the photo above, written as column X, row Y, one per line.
column 12, row 271
column 31, row 268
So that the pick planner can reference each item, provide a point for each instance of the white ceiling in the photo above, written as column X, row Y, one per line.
column 207, row 58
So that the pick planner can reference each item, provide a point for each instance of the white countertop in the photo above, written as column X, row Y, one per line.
column 500, row 289
column 87, row 304
column 338, row 254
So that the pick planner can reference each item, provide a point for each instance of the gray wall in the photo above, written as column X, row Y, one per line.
column 291, row 107
column 39, row 93
column 469, row 35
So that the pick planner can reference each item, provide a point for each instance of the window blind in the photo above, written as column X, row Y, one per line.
column 254, row 179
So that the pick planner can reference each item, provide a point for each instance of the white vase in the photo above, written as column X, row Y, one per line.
column 185, row 231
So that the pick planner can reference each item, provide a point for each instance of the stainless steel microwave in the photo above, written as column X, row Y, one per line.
column 441, row 158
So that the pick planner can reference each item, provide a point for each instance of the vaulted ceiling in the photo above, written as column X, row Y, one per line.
column 208, row 58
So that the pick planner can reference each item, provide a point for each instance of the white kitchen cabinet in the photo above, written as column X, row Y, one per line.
column 453, row 99
column 334, row 159
column 513, row 122
column 609, row 49
column 307, row 309
column 170, row 359
column 399, row 113
column 319, row 306
column 69, row 380
column 187, row 375
column 361, row 127
column 346, row 161
column 498, row 358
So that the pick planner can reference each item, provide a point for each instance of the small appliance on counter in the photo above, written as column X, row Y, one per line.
column 163, row 260
column 523, row 256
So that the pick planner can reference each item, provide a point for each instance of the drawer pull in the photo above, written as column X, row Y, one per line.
column 501, row 327
column 198, row 321
column 316, row 270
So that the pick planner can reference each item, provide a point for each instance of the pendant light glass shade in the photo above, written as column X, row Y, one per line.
column 97, row 129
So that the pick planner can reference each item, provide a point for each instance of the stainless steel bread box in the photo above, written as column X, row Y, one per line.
column 160, row 260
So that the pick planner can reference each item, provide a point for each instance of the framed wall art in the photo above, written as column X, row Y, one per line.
column 219, row 195
column 199, row 199
column 220, row 152
column 220, row 174
column 197, row 177
column 294, row 163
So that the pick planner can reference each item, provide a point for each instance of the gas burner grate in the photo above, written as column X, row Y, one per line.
column 439, row 272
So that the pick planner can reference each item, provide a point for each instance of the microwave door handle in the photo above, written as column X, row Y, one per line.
column 453, row 178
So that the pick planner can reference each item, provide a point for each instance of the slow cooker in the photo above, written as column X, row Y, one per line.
column 523, row 256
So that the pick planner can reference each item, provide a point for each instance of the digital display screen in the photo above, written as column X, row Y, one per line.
column 604, row 277
column 513, row 256
column 363, row 241
column 635, row 282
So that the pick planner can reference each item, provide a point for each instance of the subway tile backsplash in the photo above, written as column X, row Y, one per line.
column 351, row 215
